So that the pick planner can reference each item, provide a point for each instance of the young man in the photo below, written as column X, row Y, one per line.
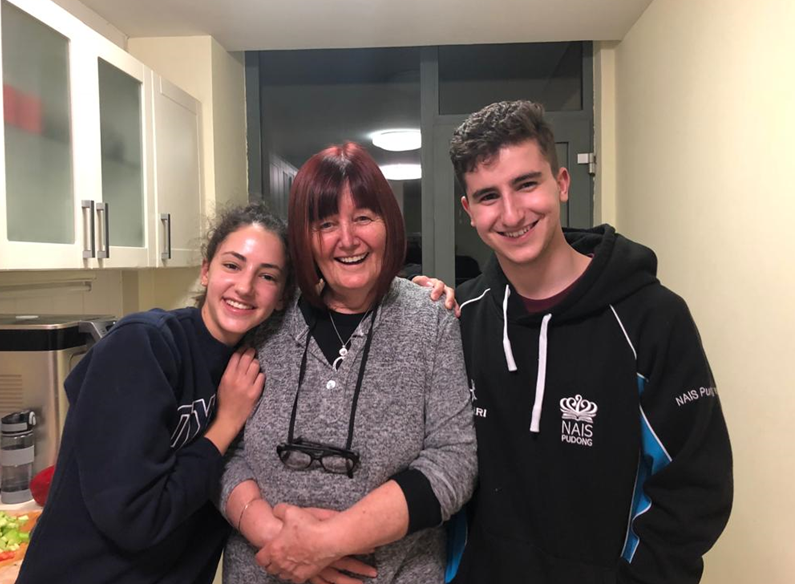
column 603, row 452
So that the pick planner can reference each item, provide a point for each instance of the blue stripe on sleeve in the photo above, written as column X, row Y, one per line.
column 653, row 458
column 456, row 541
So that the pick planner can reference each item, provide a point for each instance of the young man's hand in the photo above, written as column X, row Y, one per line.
column 437, row 289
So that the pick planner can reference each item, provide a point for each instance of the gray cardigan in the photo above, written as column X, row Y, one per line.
column 413, row 412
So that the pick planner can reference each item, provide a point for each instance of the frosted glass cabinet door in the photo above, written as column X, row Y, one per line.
column 125, row 147
column 122, row 154
column 42, row 149
column 37, row 131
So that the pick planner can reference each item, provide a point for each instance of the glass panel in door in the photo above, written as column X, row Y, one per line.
column 121, row 131
column 310, row 99
column 38, row 141
column 473, row 76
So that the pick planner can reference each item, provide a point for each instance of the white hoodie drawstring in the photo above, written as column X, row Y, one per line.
column 541, row 379
column 506, row 342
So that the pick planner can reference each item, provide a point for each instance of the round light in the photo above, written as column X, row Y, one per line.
column 397, row 140
column 402, row 171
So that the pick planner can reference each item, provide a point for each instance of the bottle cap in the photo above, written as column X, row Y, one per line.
column 17, row 422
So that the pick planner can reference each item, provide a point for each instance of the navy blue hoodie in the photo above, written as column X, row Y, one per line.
column 129, row 500
column 602, row 449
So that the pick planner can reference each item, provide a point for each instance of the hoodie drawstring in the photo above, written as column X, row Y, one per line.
column 541, row 379
column 506, row 342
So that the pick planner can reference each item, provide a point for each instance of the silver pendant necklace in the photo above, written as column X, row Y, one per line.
column 343, row 344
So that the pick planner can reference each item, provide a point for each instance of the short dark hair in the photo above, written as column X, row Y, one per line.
column 231, row 219
column 505, row 123
column 315, row 195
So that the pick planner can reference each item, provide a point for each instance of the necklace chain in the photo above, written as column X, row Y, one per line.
column 343, row 344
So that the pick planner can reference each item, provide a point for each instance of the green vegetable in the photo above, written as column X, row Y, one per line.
column 10, row 535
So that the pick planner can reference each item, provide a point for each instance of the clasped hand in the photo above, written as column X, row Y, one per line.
column 306, row 549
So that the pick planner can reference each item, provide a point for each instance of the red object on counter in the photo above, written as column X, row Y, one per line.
column 9, row 105
column 40, row 485
column 29, row 113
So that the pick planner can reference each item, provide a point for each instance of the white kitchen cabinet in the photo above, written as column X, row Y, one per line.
column 123, row 145
column 94, row 149
column 178, row 175
column 43, row 148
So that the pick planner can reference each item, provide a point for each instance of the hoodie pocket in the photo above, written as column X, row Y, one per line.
column 492, row 558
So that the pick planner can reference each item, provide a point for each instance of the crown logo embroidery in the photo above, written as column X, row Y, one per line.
column 578, row 409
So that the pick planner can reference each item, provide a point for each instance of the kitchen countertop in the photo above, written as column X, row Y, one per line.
column 9, row 573
column 20, row 507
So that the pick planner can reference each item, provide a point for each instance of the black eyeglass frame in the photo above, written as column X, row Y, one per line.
column 299, row 445
column 317, row 453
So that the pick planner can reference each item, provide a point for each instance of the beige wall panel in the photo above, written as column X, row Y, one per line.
column 187, row 63
column 604, row 208
column 705, row 115
column 229, row 124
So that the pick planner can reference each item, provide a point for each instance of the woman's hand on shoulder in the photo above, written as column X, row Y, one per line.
column 240, row 388
column 439, row 289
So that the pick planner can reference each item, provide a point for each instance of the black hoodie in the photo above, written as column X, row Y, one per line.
column 603, row 452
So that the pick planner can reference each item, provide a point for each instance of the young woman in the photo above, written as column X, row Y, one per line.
column 364, row 437
column 153, row 408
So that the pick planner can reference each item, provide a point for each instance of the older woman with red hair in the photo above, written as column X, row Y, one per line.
column 363, row 443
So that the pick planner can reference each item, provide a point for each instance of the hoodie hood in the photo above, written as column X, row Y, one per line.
column 619, row 268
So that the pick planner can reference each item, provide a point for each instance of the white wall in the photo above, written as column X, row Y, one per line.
column 704, row 124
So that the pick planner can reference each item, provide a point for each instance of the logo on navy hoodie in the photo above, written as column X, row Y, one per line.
column 577, row 419
column 193, row 420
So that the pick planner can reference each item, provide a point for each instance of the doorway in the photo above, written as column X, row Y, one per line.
column 300, row 101
column 452, row 250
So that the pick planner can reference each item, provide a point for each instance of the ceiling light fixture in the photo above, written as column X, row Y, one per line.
column 397, row 140
column 402, row 171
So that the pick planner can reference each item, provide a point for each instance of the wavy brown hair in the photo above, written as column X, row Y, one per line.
column 505, row 123
column 234, row 218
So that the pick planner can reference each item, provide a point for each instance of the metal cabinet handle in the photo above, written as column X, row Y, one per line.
column 90, row 250
column 104, row 209
column 165, row 253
